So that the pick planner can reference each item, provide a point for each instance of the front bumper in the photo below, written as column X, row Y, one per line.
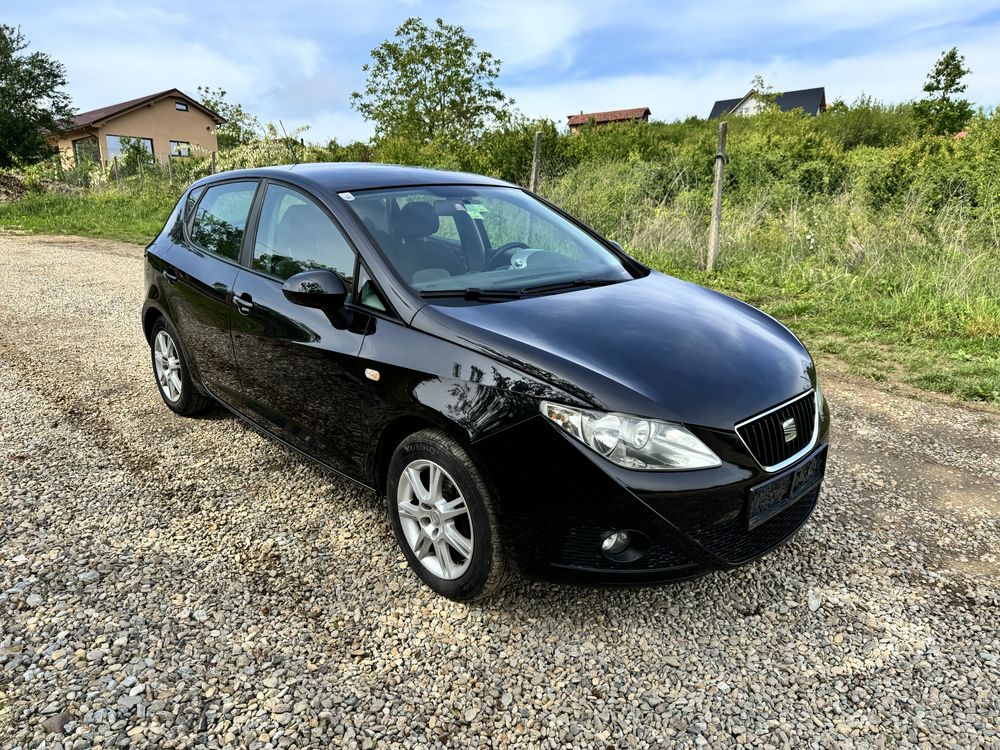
column 558, row 499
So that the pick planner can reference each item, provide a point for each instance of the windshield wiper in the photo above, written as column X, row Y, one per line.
column 558, row 286
column 473, row 293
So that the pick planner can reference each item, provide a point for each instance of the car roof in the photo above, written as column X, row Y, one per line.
column 346, row 176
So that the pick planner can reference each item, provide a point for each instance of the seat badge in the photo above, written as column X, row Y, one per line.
column 790, row 430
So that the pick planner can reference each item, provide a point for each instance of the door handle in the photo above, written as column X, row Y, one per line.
column 243, row 303
column 170, row 275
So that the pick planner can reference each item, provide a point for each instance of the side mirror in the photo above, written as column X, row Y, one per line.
column 322, row 289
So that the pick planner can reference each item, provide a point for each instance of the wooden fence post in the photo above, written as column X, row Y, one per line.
column 118, row 176
column 213, row 162
column 170, row 169
column 714, row 233
column 536, row 163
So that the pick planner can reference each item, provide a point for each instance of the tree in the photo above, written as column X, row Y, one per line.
column 431, row 83
column 33, row 103
column 240, row 127
column 764, row 91
column 940, row 113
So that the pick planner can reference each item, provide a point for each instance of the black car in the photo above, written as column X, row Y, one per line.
column 524, row 394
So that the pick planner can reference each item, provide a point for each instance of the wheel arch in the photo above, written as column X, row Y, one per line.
column 399, row 429
column 149, row 317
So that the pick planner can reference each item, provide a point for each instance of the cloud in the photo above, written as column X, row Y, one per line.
column 298, row 60
column 887, row 74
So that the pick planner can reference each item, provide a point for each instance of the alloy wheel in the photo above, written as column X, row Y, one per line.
column 435, row 519
column 167, row 363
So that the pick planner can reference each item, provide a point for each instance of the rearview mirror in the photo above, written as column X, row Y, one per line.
column 322, row 289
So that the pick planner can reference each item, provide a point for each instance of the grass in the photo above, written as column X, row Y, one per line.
column 893, row 295
column 134, row 214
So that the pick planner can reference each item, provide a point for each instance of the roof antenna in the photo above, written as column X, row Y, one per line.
column 295, row 159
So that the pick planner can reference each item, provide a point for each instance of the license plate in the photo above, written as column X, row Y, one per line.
column 775, row 495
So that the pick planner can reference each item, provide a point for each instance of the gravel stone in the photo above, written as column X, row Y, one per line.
column 245, row 598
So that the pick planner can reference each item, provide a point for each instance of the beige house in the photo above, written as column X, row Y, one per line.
column 167, row 124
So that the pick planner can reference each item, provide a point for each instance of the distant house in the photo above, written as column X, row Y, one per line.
column 167, row 124
column 576, row 122
column 810, row 101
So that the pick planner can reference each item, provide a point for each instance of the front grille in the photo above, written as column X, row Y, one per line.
column 733, row 544
column 582, row 549
column 765, row 436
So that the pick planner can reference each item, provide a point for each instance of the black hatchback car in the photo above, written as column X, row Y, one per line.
column 524, row 394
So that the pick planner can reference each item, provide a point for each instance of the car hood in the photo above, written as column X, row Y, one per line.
column 655, row 346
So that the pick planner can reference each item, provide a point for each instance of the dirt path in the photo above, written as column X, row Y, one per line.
column 259, row 601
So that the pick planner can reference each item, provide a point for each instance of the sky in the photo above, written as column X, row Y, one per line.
column 299, row 60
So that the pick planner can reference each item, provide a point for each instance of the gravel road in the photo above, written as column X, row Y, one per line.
column 186, row 583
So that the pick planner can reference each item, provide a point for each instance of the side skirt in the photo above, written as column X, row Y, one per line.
column 268, row 434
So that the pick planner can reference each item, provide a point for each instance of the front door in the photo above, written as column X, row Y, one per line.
column 299, row 367
column 201, row 271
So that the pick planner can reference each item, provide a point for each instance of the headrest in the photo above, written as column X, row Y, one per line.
column 371, row 212
column 416, row 219
column 301, row 224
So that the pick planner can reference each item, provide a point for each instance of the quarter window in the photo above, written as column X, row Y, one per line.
column 221, row 218
column 294, row 235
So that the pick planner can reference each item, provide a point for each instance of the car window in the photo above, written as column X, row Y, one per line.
column 506, row 222
column 221, row 218
column 294, row 235
column 453, row 238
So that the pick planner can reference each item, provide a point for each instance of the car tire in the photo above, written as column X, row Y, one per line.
column 171, row 373
column 452, row 525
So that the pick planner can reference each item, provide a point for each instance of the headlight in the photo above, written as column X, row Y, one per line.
column 633, row 442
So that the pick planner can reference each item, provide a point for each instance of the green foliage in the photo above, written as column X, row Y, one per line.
column 134, row 214
column 868, row 123
column 32, row 100
column 240, row 127
column 878, row 245
column 764, row 91
column 940, row 113
column 431, row 84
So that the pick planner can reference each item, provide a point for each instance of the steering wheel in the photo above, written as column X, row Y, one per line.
column 497, row 253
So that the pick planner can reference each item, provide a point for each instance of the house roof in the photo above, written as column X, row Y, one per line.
column 811, row 101
column 116, row 110
column 614, row 115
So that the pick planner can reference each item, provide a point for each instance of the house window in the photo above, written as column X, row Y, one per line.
column 119, row 143
column 86, row 150
column 181, row 106
column 180, row 148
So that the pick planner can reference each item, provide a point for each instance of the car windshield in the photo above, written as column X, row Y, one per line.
column 482, row 242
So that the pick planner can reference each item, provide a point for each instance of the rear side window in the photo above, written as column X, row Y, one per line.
column 294, row 235
column 221, row 218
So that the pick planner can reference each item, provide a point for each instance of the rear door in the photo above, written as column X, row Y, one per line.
column 298, row 366
column 201, row 273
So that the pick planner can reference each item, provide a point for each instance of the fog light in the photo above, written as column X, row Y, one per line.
column 616, row 542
